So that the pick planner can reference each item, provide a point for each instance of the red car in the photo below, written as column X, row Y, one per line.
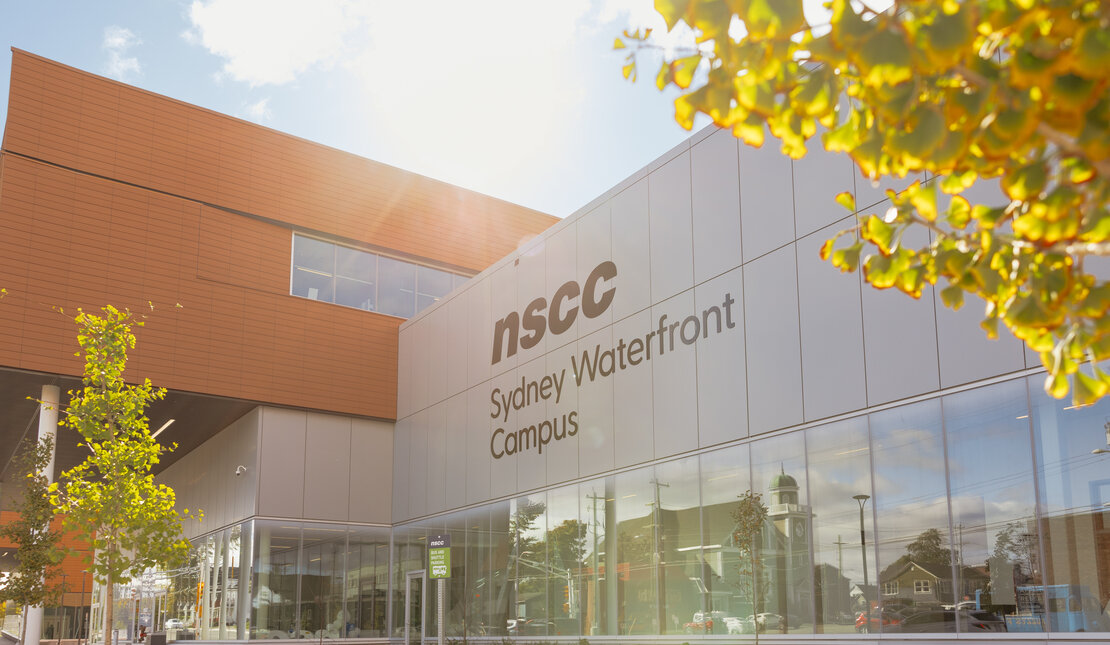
column 870, row 622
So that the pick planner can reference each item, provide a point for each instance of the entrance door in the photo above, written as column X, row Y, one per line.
column 414, row 607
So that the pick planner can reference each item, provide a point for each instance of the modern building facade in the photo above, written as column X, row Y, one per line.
column 661, row 418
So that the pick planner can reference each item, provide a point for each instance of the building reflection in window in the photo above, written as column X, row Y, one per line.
column 984, row 510
column 911, row 501
column 727, row 571
column 1075, row 519
column 779, row 473
column 839, row 458
column 995, row 547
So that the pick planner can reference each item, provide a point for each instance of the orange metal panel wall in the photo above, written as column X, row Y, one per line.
column 71, row 566
column 78, row 120
column 118, row 196
column 69, row 240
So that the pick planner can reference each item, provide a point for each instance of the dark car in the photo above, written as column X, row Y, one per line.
column 934, row 621
column 870, row 622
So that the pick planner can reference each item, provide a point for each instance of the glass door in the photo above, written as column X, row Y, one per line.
column 414, row 607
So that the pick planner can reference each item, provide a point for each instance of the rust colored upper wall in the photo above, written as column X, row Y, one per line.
column 113, row 195
column 70, row 240
column 88, row 123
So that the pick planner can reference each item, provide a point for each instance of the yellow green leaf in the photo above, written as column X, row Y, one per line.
column 1087, row 390
column 618, row 43
column 672, row 10
column 684, row 69
column 924, row 199
column 886, row 59
column 847, row 200
column 1092, row 51
column 1026, row 182
column 773, row 18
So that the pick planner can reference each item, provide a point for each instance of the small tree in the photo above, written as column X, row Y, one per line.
column 750, row 515
column 32, row 534
column 964, row 90
column 111, row 498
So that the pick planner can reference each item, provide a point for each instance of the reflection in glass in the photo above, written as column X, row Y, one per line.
column 367, row 585
column 727, row 566
column 499, row 584
column 396, row 287
column 323, row 614
column 779, row 473
column 455, row 611
column 677, row 551
column 431, row 285
column 597, row 508
column 409, row 555
column 566, row 544
column 636, row 569
column 911, row 500
column 527, row 567
column 839, row 456
column 274, row 602
column 479, row 546
column 996, row 548
column 1075, row 522
column 332, row 273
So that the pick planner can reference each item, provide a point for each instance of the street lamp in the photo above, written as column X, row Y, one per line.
column 862, row 499
column 84, row 572
column 61, row 616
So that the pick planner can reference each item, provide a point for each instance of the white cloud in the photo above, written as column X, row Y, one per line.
column 117, row 41
column 273, row 41
column 477, row 93
column 259, row 111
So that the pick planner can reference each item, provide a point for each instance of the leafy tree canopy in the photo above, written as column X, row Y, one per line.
column 32, row 533
column 958, row 91
column 111, row 499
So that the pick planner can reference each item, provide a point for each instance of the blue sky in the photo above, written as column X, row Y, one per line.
column 516, row 99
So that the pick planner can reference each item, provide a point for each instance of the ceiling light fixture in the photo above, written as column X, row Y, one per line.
column 164, row 426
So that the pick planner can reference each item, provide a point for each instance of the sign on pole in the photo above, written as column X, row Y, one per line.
column 439, row 557
column 439, row 569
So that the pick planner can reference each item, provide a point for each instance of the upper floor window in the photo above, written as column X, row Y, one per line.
column 353, row 278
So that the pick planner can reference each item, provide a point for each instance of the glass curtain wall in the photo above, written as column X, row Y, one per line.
column 980, row 512
column 842, row 528
column 985, row 511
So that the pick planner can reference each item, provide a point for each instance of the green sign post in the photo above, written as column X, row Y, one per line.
column 439, row 569
column 439, row 562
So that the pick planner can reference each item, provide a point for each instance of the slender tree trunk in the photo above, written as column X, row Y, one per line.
column 109, row 602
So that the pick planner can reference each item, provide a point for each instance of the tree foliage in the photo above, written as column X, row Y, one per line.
column 958, row 91
column 750, row 517
column 37, row 540
column 111, row 498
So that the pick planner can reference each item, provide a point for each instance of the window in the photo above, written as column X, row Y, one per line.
column 890, row 588
column 345, row 276
column 922, row 586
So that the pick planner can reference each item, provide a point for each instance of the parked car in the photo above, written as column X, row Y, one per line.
column 175, row 623
column 933, row 621
column 767, row 620
column 712, row 622
column 736, row 625
column 870, row 622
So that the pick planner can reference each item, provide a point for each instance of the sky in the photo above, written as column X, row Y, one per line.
column 522, row 100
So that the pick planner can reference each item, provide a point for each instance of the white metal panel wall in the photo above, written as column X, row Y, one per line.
column 205, row 478
column 712, row 228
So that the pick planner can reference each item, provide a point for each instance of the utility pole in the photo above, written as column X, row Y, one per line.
column 660, row 564
column 597, row 572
